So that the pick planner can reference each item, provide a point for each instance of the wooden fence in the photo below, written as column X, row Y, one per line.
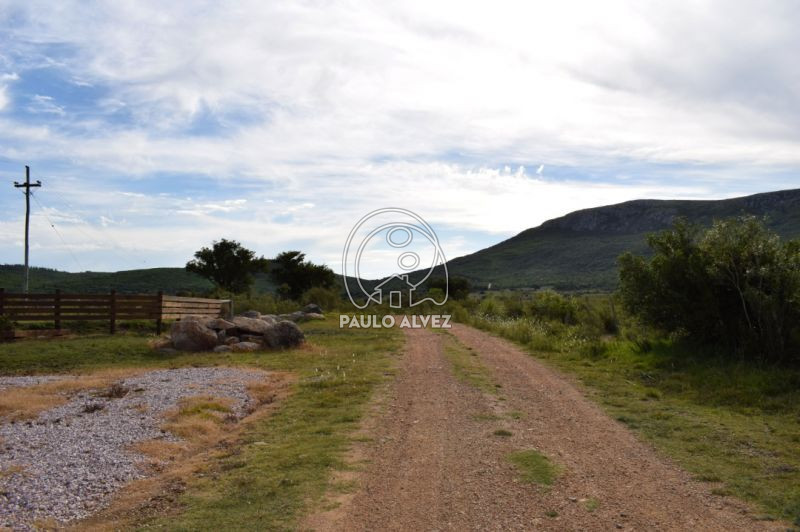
column 59, row 307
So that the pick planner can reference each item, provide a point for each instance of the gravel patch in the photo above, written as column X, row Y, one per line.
column 31, row 380
column 67, row 463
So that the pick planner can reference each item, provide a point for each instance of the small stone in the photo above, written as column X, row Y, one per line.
column 312, row 308
column 245, row 347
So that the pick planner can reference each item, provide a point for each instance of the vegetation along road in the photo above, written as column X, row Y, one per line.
column 475, row 434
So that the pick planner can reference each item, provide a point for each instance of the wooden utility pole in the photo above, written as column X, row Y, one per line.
column 27, row 186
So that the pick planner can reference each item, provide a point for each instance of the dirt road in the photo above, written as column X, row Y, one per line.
column 437, row 464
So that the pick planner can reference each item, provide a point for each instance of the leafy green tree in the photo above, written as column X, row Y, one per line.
column 295, row 275
column 459, row 287
column 734, row 285
column 227, row 264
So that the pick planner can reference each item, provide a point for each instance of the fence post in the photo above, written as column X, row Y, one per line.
column 113, row 311
column 57, row 310
column 160, row 312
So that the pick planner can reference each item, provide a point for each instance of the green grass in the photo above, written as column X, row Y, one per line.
column 284, row 462
column 591, row 504
column 83, row 354
column 467, row 367
column 728, row 422
column 503, row 433
column 534, row 467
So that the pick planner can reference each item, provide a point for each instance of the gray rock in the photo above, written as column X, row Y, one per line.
column 192, row 335
column 296, row 316
column 284, row 334
column 219, row 324
column 250, row 325
column 272, row 320
column 244, row 347
column 313, row 316
column 221, row 337
column 223, row 349
column 230, row 340
column 251, row 314
column 312, row 308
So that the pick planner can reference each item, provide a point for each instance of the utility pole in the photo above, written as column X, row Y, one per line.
column 27, row 186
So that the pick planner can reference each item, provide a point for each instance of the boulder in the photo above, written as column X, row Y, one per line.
column 294, row 316
column 313, row 316
column 219, row 324
column 284, row 334
column 250, row 325
column 221, row 337
column 230, row 340
column 223, row 349
column 243, row 347
column 272, row 320
column 312, row 308
column 254, row 314
column 192, row 335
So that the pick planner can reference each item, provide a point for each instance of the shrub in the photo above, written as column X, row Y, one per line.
column 735, row 285
column 553, row 306
column 327, row 298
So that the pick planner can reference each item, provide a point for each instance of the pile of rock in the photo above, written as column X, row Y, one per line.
column 250, row 331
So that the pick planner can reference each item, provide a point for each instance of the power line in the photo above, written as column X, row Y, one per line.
column 80, row 266
column 108, row 241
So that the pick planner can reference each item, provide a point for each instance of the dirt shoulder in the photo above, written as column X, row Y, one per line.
column 441, row 445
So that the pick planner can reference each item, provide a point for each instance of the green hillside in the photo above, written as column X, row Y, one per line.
column 579, row 251
column 575, row 252
column 170, row 280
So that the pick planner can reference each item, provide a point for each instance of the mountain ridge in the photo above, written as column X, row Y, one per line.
column 578, row 251
column 574, row 252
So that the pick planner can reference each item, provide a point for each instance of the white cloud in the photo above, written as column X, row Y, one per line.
column 324, row 111
column 45, row 104
column 512, row 78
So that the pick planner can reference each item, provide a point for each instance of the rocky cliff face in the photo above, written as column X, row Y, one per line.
column 653, row 215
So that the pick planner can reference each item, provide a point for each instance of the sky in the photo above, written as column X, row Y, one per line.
column 158, row 127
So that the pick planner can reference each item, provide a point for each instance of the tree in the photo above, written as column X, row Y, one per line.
column 457, row 288
column 734, row 285
column 295, row 275
column 227, row 264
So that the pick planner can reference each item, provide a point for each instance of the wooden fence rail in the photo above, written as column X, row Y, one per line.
column 59, row 307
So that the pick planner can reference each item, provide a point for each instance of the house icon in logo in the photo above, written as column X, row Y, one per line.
column 395, row 293
column 408, row 239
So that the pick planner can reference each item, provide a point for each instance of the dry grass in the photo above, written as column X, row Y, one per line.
column 11, row 470
column 208, row 431
column 200, row 419
column 27, row 402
